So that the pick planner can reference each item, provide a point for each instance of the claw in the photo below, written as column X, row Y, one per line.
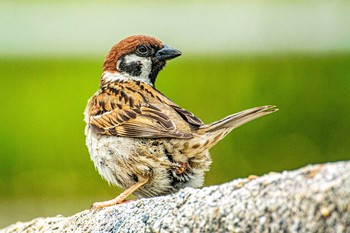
column 181, row 168
column 99, row 205
column 119, row 199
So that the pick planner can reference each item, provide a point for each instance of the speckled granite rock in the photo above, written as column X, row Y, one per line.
column 312, row 199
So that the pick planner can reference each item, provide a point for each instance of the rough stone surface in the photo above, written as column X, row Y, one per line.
column 312, row 199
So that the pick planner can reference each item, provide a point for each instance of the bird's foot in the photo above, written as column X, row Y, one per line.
column 103, row 204
column 181, row 168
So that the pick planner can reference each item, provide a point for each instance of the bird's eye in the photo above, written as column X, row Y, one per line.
column 142, row 50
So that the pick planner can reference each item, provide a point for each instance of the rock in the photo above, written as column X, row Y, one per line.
column 315, row 198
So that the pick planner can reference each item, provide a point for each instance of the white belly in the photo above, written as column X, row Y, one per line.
column 120, row 159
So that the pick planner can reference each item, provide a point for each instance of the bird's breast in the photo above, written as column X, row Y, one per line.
column 123, row 161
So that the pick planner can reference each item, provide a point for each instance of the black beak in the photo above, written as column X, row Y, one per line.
column 167, row 53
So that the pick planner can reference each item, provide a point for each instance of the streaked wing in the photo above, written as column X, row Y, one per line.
column 188, row 116
column 143, row 122
column 122, row 110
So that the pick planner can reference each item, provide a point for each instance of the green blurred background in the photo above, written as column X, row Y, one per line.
column 236, row 55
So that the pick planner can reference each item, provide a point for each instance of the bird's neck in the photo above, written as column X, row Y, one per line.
column 108, row 77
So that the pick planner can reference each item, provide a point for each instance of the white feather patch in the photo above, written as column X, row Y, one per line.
column 114, row 77
column 146, row 67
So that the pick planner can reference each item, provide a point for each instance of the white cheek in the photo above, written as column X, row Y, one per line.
column 146, row 66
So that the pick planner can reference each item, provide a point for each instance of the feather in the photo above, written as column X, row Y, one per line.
column 134, row 109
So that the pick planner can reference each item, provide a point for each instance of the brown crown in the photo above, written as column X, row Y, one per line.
column 126, row 46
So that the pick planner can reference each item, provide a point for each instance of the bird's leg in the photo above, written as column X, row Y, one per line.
column 119, row 199
column 181, row 168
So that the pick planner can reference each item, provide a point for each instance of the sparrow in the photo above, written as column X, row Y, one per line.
column 140, row 140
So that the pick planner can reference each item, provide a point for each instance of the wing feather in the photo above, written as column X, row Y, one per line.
column 127, row 112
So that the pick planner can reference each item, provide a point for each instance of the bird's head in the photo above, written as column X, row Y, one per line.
column 139, row 58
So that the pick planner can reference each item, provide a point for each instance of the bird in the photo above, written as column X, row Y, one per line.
column 140, row 140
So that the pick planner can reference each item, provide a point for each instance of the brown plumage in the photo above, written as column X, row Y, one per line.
column 140, row 140
column 127, row 46
column 135, row 109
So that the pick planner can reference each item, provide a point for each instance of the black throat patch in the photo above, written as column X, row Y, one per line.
column 157, row 66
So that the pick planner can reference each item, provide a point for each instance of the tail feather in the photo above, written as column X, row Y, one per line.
column 235, row 120
column 208, row 135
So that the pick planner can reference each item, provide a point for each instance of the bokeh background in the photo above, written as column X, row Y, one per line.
column 236, row 55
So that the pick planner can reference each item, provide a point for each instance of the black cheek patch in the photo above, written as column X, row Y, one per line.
column 132, row 68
